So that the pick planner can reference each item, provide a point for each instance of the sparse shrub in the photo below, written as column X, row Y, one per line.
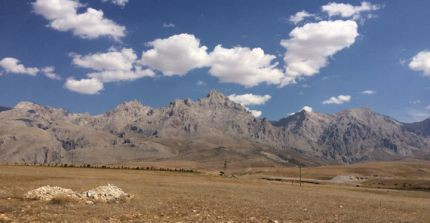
column 61, row 200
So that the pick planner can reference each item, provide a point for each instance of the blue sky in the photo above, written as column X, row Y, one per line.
column 89, row 56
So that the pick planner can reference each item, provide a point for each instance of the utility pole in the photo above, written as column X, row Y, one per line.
column 73, row 153
column 300, row 175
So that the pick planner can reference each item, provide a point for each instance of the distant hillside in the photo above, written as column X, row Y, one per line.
column 207, row 131
column 4, row 108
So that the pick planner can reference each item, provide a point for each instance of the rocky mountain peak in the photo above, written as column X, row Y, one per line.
column 217, row 100
column 133, row 105
column 216, row 96
column 180, row 102
column 28, row 105
column 364, row 115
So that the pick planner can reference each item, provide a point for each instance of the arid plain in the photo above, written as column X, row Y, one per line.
column 245, row 196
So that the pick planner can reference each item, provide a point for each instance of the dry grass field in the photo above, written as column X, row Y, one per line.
column 206, row 197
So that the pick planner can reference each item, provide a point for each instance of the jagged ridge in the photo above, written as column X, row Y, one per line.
column 211, row 129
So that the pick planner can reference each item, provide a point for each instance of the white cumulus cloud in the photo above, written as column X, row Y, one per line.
column 176, row 55
column 300, row 16
column 49, row 72
column 256, row 113
column 348, row 10
column 114, row 65
column 121, row 75
column 307, row 108
column 63, row 16
column 250, row 99
column 368, row 92
column 421, row 62
column 245, row 66
column 337, row 99
column 13, row 65
column 112, row 60
column 310, row 46
column 121, row 3
column 84, row 86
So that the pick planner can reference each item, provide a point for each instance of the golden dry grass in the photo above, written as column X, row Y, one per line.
column 188, row 197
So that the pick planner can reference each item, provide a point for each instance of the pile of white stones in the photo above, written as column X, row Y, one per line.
column 107, row 194
column 48, row 193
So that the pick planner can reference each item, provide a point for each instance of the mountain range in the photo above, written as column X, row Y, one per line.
column 207, row 131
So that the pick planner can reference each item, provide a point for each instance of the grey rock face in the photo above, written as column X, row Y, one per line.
column 420, row 128
column 212, row 129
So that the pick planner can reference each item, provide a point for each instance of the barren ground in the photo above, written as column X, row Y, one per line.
column 206, row 197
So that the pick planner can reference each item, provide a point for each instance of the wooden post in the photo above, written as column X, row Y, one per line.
column 300, row 175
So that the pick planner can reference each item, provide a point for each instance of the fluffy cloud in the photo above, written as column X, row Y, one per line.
column 368, row 92
column 300, row 16
column 63, row 16
column 12, row 65
column 421, row 62
column 114, row 65
column 256, row 113
column 84, row 86
column 181, row 53
column 111, row 66
column 49, row 72
column 337, row 100
column 307, row 109
column 112, row 60
column 308, row 50
column 121, row 3
column 250, row 99
column 121, row 75
column 311, row 45
column 245, row 66
column 176, row 55
column 347, row 10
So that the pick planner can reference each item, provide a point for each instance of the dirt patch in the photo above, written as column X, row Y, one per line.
column 347, row 179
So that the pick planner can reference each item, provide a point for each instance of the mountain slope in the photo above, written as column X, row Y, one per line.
column 421, row 128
